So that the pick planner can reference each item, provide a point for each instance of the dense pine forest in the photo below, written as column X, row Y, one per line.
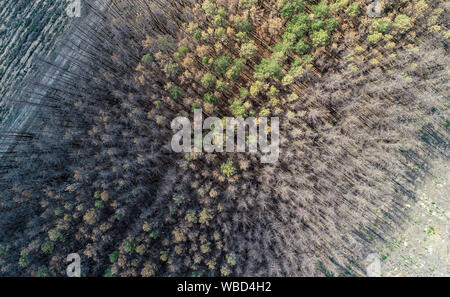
column 363, row 103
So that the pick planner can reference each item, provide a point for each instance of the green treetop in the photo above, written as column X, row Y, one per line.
column 248, row 49
column 301, row 47
column 321, row 10
column 208, row 81
column 292, row 7
column 210, row 98
column 235, row 70
column 353, row 10
column 221, row 64
column 320, row 38
column 403, row 23
column 227, row 168
column 268, row 69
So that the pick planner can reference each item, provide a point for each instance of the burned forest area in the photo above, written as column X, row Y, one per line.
column 360, row 89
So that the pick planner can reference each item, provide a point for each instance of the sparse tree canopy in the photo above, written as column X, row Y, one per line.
column 362, row 105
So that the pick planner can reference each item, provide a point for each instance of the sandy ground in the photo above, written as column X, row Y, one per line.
column 423, row 248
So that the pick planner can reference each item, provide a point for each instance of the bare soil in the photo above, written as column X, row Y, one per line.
column 423, row 248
